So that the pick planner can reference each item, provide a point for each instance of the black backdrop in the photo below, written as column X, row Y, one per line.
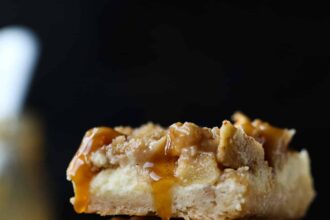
column 127, row 62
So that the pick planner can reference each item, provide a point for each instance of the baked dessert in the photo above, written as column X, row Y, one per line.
column 240, row 170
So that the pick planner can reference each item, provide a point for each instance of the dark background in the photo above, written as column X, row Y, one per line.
column 127, row 62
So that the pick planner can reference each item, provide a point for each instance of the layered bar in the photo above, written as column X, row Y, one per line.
column 239, row 170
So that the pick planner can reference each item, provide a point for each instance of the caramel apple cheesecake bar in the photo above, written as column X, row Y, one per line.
column 239, row 170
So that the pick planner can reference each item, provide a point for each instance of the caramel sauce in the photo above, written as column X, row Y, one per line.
column 80, row 170
column 162, row 175
column 162, row 187
column 164, row 164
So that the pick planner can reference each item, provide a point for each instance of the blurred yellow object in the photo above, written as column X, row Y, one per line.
column 22, row 175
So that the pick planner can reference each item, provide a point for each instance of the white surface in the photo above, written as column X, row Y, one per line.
column 19, row 50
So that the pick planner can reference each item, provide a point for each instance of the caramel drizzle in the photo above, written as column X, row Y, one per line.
column 161, row 169
column 80, row 170
column 162, row 187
